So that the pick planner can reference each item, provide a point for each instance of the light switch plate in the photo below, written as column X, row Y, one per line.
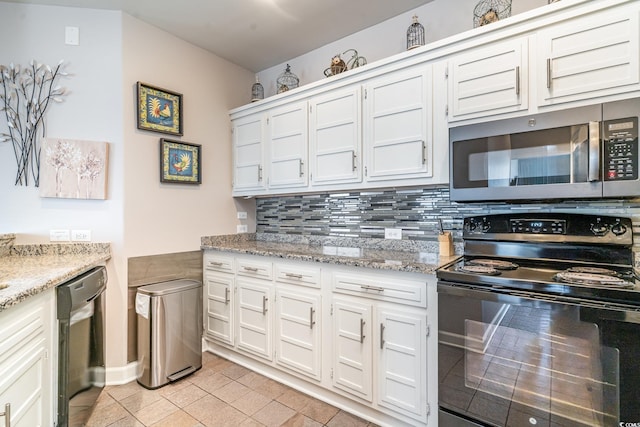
column 59, row 235
column 242, row 215
column 242, row 228
column 72, row 36
column 81, row 235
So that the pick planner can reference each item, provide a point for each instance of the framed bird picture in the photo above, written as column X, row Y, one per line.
column 159, row 110
column 180, row 162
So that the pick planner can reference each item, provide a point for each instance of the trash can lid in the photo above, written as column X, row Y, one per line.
column 169, row 287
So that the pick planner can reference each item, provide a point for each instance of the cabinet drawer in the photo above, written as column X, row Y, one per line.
column 298, row 275
column 381, row 287
column 215, row 262
column 254, row 267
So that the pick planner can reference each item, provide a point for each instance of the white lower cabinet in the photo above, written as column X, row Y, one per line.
column 26, row 362
column 297, row 334
column 254, row 333
column 352, row 336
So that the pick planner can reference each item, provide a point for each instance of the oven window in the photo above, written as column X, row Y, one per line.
column 529, row 363
column 549, row 156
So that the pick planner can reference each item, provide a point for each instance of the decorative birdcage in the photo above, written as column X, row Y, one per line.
column 488, row 11
column 257, row 91
column 287, row 80
column 415, row 34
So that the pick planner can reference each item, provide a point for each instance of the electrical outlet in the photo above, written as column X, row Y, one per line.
column 81, row 235
column 242, row 228
column 242, row 215
column 59, row 235
column 393, row 233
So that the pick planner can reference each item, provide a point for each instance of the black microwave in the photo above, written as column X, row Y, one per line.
column 581, row 153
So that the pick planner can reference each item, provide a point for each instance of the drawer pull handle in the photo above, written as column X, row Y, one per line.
column 381, row 336
column 251, row 269
column 226, row 296
column 7, row 415
column 293, row 275
column 311, row 321
column 264, row 305
column 362, row 322
column 215, row 264
column 372, row 288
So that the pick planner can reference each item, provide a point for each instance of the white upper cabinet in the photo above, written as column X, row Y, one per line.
column 288, row 146
column 335, row 137
column 489, row 80
column 248, row 153
column 593, row 55
column 398, row 141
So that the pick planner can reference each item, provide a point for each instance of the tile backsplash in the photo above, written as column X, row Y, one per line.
column 417, row 212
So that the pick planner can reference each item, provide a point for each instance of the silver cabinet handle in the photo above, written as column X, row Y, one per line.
column 264, row 305
column 353, row 160
column 311, row 321
column 301, row 165
column 251, row 269
column 215, row 264
column 362, row 322
column 259, row 173
column 594, row 151
column 7, row 415
column 424, row 152
column 293, row 275
column 381, row 336
column 518, row 80
column 548, row 73
column 226, row 296
column 372, row 288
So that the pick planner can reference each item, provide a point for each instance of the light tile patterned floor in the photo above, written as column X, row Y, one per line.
column 220, row 394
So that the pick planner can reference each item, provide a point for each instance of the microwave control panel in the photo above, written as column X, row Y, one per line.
column 621, row 149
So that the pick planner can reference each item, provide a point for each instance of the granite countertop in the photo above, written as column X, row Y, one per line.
column 398, row 255
column 30, row 269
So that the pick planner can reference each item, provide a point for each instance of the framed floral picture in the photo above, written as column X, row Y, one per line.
column 159, row 110
column 180, row 162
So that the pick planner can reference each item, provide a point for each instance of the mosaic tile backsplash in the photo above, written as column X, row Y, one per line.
column 418, row 212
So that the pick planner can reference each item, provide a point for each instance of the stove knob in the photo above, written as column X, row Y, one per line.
column 472, row 226
column 618, row 229
column 486, row 226
column 599, row 229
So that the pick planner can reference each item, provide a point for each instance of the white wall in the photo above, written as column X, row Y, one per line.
column 140, row 216
column 440, row 18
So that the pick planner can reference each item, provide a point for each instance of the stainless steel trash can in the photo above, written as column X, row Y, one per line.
column 169, row 331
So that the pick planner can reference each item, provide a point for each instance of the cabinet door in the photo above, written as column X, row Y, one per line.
column 352, row 359
column 402, row 367
column 25, row 362
column 248, row 153
column 288, row 140
column 397, row 123
column 219, row 307
column 254, row 317
column 297, row 331
column 591, row 56
column 489, row 80
column 335, row 137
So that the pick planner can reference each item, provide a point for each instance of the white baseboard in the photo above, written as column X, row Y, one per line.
column 122, row 375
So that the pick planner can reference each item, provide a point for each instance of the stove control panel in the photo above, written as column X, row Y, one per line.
column 539, row 226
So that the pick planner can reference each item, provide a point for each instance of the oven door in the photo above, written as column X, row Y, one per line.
column 524, row 359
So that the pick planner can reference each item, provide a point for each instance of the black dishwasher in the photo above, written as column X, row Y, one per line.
column 81, row 368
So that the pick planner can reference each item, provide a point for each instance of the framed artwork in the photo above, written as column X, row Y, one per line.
column 179, row 162
column 74, row 169
column 159, row 110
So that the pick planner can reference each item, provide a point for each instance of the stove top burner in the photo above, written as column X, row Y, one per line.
column 494, row 263
column 593, row 279
column 592, row 270
column 478, row 269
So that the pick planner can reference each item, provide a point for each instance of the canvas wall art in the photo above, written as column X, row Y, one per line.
column 73, row 169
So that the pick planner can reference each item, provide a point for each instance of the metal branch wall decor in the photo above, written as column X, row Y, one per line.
column 26, row 94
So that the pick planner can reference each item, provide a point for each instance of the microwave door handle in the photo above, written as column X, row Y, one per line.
column 594, row 152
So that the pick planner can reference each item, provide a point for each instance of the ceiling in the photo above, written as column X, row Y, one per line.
column 255, row 34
